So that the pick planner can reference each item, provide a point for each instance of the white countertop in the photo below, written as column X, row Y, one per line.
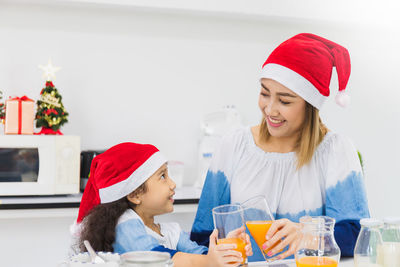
column 67, row 206
column 183, row 195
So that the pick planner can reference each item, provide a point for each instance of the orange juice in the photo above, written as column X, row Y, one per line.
column 240, row 243
column 316, row 261
column 258, row 230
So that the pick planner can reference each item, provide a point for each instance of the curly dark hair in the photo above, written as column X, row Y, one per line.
column 98, row 227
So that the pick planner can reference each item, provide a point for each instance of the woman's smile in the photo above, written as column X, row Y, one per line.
column 274, row 122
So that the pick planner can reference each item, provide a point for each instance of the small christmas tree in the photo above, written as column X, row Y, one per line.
column 2, row 113
column 51, row 114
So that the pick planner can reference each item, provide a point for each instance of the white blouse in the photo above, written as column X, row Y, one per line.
column 331, row 184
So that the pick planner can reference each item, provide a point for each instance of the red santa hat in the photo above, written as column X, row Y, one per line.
column 117, row 172
column 304, row 64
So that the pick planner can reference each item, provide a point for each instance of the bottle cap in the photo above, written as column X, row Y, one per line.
column 370, row 222
column 392, row 220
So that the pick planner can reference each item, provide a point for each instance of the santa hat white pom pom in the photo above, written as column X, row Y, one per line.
column 342, row 99
column 75, row 229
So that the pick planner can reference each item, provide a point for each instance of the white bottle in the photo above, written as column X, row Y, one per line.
column 213, row 127
column 391, row 242
column 206, row 150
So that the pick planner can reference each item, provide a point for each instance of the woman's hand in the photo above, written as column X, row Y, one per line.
column 241, row 233
column 288, row 232
column 222, row 255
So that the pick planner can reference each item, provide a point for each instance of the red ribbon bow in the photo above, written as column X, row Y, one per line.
column 24, row 98
column 49, row 83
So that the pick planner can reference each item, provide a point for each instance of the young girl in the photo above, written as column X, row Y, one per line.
column 129, row 185
column 291, row 158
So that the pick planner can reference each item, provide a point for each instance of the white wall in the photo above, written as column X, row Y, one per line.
column 148, row 76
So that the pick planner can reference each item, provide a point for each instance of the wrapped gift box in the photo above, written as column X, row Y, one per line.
column 20, row 114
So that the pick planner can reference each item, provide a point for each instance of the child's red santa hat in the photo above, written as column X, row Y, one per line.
column 304, row 65
column 116, row 173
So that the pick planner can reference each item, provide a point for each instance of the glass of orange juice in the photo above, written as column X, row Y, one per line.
column 259, row 219
column 227, row 219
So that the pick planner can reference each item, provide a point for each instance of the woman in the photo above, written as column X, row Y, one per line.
column 291, row 158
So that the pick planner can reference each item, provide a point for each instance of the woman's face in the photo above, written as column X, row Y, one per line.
column 283, row 110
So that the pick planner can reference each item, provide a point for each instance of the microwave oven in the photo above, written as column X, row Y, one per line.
column 32, row 165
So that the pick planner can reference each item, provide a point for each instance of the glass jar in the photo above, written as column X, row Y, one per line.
column 390, row 249
column 367, row 252
column 146, row 259
column 317, row 246
column 391, row 229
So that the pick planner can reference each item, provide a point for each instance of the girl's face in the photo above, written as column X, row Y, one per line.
column 283, row 110
column 158, row 199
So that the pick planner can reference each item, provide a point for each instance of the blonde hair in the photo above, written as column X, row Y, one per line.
column 312, row 134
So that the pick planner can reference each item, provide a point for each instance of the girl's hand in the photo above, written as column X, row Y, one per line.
column 248, row 248
column 288, row 232
column 241, row 233
column 222, row 255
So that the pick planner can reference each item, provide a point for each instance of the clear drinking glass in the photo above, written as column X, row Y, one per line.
column 259, row 219
column 317, row 246
column 227, row 219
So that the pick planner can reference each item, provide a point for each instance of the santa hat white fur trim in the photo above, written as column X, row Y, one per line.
column 138, row 177
column 294, row 82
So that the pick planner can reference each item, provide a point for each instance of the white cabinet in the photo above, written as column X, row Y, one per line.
column 41, row 237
